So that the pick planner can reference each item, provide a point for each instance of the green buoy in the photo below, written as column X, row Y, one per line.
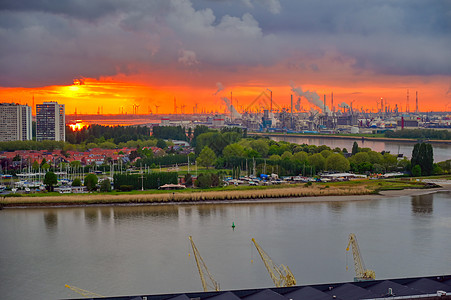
column 233, row 225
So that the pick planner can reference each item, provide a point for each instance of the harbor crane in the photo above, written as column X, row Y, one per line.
column 84, row 293
column 280, row 275
column 362, row 274
column 203, row 270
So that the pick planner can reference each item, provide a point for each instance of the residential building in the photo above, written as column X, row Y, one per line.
column 15, row 122
column 50, row 121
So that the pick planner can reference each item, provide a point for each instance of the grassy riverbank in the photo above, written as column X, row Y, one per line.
column 349, row 188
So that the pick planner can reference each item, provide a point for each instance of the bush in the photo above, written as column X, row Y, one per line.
column 91, row 182
column 76, row 182
column 125, row 188
column 416, row 171
column 105, row 185
column 203, row 181
column 148, row 181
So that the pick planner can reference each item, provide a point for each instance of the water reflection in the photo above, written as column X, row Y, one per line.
column 139, row 212
column 91, row 215
column 422, row 204
column 51, row 220
column 105, row 213
column 336, row 207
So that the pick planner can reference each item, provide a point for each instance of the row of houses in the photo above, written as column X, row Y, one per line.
column 92, row 156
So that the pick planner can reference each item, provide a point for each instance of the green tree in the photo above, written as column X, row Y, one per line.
column 35, row 165
column 375, row 157
column 423, row 155
column 43, row 161
column 91, row 182
column 326, row 153
column 300, row 156
column 286, row 155
column 361, row 157
column 355, row 148
column 261, row 146
column 105, row 185
column 389, row 162
column 317, row 161
column 416, row 171
column 207, row 157
column 233, row 150
column 203, row 181
column 337, row 162
column 162, row 144
column 188, row 179
column 50, row 180
column 76, row 182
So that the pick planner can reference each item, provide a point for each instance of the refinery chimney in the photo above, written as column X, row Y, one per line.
column 416, row 102
column 332, row 102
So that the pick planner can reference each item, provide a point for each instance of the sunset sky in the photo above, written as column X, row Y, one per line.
column 110, row 55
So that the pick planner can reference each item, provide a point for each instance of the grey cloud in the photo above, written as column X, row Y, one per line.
column 51, row 42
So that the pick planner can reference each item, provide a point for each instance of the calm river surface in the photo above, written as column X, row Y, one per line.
column 145, row 249
column 442, row 152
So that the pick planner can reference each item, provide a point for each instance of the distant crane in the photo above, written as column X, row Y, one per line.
column 362, row 274
column 280, row 275
column 84, row 293
column 156, row 108
column 203, row 270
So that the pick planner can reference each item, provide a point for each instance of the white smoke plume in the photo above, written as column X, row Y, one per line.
column 220, row 87
column 343, row 105
column 298, row 104
column 234, row 113
column 312, row 97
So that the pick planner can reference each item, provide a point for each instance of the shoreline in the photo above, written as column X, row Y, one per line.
column 326, row 136
column 279, row 195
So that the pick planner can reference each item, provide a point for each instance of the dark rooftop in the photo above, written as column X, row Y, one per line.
column 434, row 287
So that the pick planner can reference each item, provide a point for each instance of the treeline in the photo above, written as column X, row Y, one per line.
column 66, row 146
column 420, row 134
column 167, row 160
column 32, row 145
column 118, row 134
column 170, row 132
column 147, row 181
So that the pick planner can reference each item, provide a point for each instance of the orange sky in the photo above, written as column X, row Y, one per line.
column 114, row 95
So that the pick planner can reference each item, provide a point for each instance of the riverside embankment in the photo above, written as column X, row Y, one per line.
column 337, row 191
column 350, row 137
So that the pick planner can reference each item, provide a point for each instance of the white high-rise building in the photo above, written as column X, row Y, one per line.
column 50, row 121
column 15, row 122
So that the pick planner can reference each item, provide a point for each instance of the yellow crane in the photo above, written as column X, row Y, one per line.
column 203, row 270
column 83, row 292
column 362, row 274
column 280, row 275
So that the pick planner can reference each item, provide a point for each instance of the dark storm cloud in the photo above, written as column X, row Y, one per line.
column 52, row 42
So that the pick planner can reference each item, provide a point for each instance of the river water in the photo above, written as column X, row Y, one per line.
column 145, row 249
column 442, row 152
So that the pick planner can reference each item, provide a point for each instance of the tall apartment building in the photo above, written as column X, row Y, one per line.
column 50, row 121
column 15, row 122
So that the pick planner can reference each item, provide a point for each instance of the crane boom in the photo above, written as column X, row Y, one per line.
column 361, row 272
column 203, row 270
column 83, row 292
column 280, row 275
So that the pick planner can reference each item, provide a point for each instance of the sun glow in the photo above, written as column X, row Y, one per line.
column 78, row 125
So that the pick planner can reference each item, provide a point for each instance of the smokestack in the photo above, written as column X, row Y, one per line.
column 416, row 102
column 332, row 102
column 407, row 105
column 324, row 108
